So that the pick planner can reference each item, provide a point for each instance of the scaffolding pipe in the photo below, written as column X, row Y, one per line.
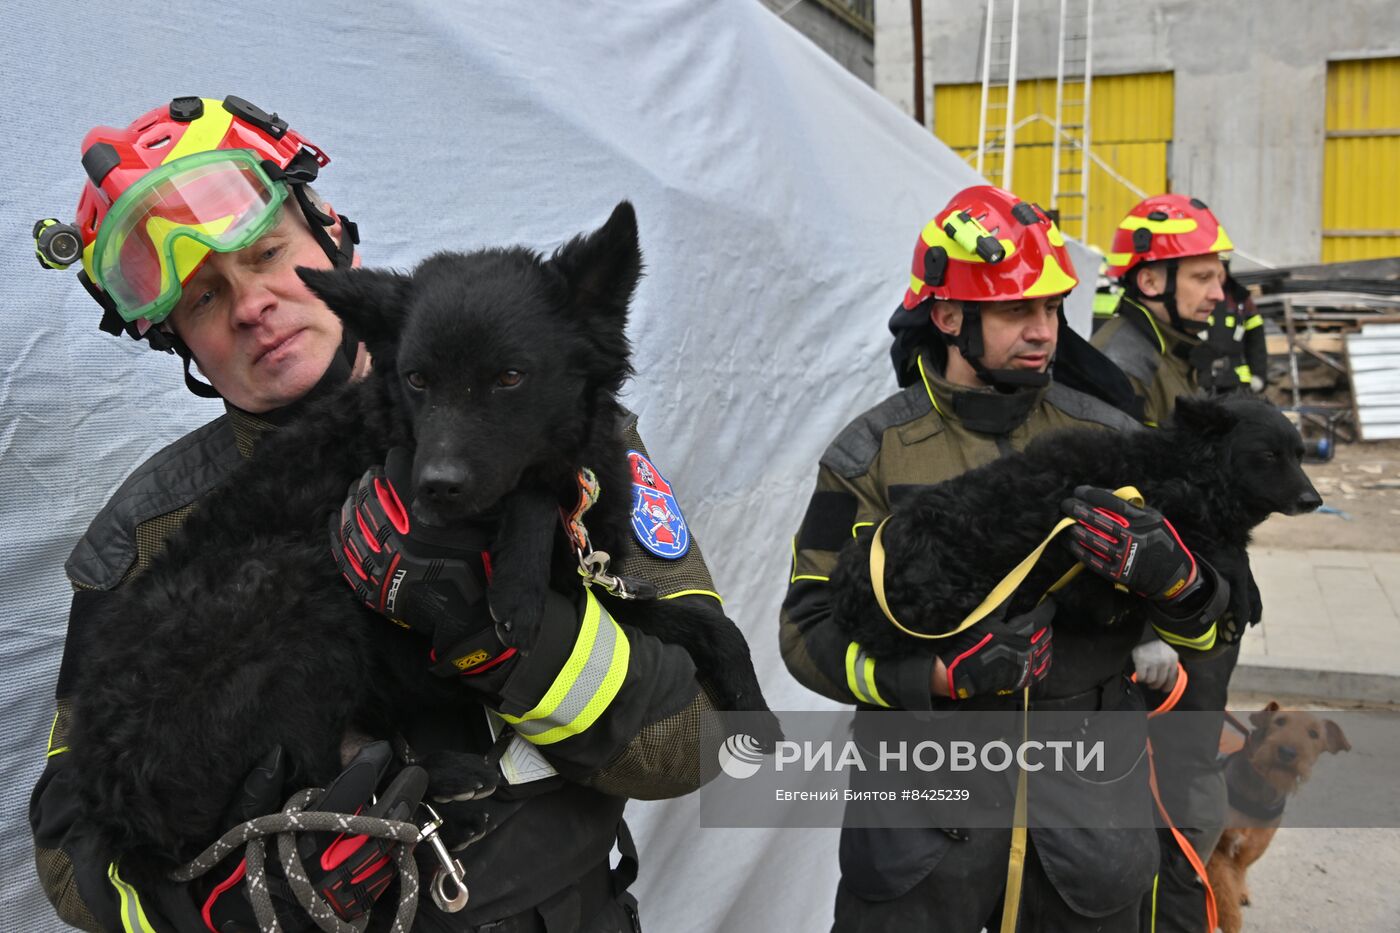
column 1059, row 114
column 1086, row 132
column 986, row 82
column 1009, row 143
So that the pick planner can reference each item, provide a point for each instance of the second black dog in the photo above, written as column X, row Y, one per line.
column 1216, row 472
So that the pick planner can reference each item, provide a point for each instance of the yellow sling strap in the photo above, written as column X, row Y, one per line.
column 1016, row 862
column 1000, row 593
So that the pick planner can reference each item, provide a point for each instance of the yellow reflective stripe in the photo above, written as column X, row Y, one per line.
column 1202, row 642
column 1053, row 280
column 803, row 576
column 928, row 388
column 1253, row 322
column 585, row 686
column 1054, row 236
column 859, row 525
column 1244, row 372
column 133, row 915
column 52, row 729
column 868, row 669
column 1222, row 242
column 1170, row 225
column 1118, row 259
column 711, row 593
column 1151, row 319
column 852, row 655
column 916, row 284
column 1229, row 320
column 1155, row 879
column 204, row 134
column 860, row 675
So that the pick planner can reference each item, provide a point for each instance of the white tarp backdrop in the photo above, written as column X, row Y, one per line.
column 778, row 199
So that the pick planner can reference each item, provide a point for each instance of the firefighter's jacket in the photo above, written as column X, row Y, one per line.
column 644, row 742
column 1155, row 357
column 915, row 439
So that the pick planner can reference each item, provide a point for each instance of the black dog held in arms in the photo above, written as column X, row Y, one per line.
column 243, row 634
column 1216, row 472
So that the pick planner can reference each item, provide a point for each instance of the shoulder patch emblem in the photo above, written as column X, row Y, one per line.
column 657, row 522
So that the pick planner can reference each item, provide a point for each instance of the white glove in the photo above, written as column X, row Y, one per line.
column 1155, row 662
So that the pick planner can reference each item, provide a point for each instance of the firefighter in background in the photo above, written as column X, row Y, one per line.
column 1235, row 335
column 1178, row 331
column 975, row 337
column 1166, row 256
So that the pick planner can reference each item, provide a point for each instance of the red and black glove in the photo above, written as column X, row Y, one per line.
column 1136, row 548
column 349, row 873
column 998, row 655
column 429, row 580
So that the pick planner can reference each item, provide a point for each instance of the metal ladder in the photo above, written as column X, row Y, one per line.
column 1074, row 72
column 996, row 130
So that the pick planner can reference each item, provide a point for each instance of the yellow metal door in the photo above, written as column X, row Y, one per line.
column 1130, row 129
column 1360, row 199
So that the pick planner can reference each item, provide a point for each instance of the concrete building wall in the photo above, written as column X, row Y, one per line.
column 1250, row 89
column 838, row 38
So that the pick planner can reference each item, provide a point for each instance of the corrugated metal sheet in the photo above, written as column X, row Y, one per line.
column 1373, row 357
column 1131, row 125
column 1360, row 200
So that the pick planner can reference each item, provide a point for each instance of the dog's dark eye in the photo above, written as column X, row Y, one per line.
column 416, row 381
column 510, row 378
column 1312, row 732
column 1281, row 720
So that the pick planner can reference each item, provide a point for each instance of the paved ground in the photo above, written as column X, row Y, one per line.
column 1331, row 625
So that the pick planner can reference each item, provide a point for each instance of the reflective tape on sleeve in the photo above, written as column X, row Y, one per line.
column 860, row 675
column 1202, row 642
column 133, row 915
column 586, row 684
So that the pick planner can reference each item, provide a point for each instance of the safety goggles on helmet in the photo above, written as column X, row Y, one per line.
column 163, row 227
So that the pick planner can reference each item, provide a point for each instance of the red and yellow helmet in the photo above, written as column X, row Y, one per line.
column 989, row 245
column 186, row 178
column 1165, row 226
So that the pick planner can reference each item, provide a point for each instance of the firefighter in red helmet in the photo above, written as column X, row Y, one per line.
column 1167, row 254
column 189, row 232
column 986, row 363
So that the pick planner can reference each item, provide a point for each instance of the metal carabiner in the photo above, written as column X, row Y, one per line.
column 449, row 871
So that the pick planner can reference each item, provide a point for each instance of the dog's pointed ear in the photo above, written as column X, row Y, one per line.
column 602, row 268
column 372, row 303
column 1336, row 738
column 1203, row 416
column 1261, row 718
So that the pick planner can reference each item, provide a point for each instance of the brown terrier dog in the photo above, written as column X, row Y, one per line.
column 1277, row 757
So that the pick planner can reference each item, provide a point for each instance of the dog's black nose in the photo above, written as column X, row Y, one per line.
column 442, row 484
column 1287, row 754
column 1308, row 501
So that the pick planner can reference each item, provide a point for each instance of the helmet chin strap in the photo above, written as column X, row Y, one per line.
column 1167, row 299
column 968, row 340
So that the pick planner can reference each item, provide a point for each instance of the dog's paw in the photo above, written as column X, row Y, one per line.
column 518, row 611
column 459, row 776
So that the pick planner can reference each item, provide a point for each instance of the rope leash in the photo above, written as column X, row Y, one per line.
column 294, row 819
column 593, row 565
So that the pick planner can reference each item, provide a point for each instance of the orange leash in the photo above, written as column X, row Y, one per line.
column 1184, row 844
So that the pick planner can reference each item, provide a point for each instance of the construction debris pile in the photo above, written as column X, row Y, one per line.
column 1334, row 345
